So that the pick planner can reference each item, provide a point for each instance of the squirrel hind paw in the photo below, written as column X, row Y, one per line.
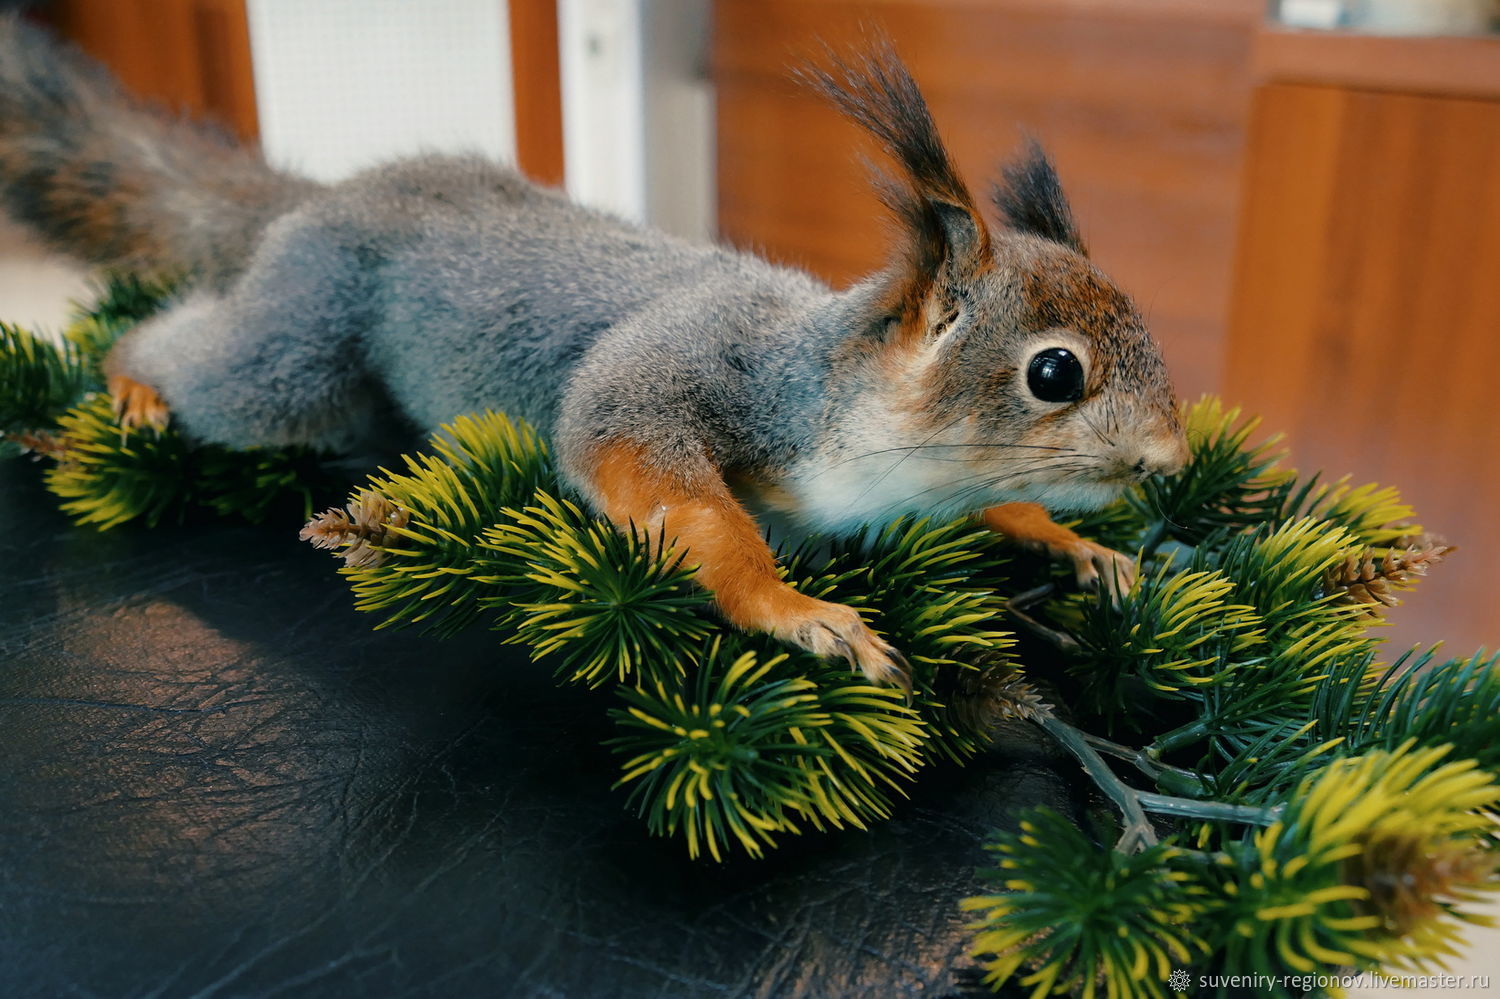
column 137, row 404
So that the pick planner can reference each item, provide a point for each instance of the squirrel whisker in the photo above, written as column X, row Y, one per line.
column 900, row 461
column 912, row 448
column 1094, row 427
column 989, row 480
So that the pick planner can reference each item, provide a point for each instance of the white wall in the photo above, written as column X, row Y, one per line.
column 343, row 84
column 638, row 110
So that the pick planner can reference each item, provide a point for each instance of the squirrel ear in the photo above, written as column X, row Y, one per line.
column 1031, row 200
column 943, row 228
column 965, row 236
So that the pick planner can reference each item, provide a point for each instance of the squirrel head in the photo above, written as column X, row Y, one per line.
column 1005, row 352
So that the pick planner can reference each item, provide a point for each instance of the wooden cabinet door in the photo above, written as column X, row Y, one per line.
column 1367, row 316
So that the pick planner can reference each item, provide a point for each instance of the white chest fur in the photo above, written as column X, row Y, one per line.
column 878, row 465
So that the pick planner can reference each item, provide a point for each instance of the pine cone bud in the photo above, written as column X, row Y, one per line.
column 1371, row 577
column 359, row 529
column 40, row 443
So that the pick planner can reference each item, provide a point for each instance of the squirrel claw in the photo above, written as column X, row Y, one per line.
column 904, row 675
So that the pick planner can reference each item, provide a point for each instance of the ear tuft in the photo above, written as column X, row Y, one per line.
column 875, row 90
column 1031, row 200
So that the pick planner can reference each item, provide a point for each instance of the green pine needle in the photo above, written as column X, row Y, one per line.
column 1227, row 483
column 1175, row 633
column 609, row 605
column 1375, row 515
column 256, row 483
column 110, row 475
column 1455, row 702
column 1280, row 573
column 930, row 587
column 38, row 380
column 740, row 752
column 1316, row 888
column 1082, row 920
column 478, row 466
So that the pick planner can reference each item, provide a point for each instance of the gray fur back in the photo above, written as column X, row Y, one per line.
column 483, row 290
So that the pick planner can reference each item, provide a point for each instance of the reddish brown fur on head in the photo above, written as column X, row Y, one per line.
column 966, row 310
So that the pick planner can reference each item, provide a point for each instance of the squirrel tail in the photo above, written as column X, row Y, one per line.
column 104, row 179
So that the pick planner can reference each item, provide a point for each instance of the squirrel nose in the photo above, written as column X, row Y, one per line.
column 1166, row 458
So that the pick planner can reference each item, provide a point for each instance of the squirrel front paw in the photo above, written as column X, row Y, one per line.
column 833, row 630
column 1099, row 568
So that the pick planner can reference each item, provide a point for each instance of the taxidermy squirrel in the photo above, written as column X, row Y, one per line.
column 987, row 369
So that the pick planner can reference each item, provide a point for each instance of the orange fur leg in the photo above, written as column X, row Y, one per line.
column 733, row 560
column 137, row 405
column 1028, row 525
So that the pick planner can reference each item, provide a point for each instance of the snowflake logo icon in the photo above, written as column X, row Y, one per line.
column 1179, row 980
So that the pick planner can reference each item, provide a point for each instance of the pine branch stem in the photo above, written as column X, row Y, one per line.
column 1138, row 832
column 1016, row 608
column 1186, row 735
column 39, row 442
column 1217, row 811
column 1140, row 759
column 1133, row 804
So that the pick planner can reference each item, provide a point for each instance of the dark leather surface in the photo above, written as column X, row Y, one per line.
column 216, row 780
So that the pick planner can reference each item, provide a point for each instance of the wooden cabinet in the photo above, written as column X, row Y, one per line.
column 1366, row 318
column 192, row 56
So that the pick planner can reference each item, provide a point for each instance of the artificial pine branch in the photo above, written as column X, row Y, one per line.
column 1075, row 919
column 1338, row 808
column 107, row 475
column 745, row 751
column 1228, row 484
column 1334, row 881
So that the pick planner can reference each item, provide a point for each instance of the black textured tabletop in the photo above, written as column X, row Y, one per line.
column 216, row 780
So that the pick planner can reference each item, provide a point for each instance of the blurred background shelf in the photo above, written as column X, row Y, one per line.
column 1466, row 66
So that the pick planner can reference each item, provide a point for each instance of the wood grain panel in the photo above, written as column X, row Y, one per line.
column 537, row 77
column 1366, row 318
column 191, row 56
column 1438, row 65
column 1141, row 102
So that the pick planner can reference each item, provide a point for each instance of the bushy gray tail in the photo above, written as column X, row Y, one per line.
column 104, row 179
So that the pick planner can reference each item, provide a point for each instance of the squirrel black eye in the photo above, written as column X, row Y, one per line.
column 1055, row 375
